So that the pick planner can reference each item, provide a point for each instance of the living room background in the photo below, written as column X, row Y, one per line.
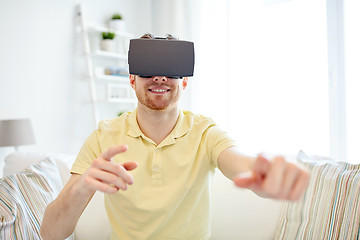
column 270, row 55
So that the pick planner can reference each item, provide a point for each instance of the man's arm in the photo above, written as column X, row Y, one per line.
column 274, row 178
column 62, row 214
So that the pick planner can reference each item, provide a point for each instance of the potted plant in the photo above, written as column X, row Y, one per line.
column 117, row 23
column 107, row 42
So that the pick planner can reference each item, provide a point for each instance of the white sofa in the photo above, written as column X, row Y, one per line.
column 240, row 214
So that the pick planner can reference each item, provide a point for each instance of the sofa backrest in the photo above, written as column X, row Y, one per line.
column 17, row 161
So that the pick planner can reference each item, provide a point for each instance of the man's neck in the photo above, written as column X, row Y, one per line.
column 157, row 124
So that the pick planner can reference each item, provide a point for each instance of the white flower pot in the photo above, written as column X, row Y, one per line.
column 117, row 25
column 107, row 45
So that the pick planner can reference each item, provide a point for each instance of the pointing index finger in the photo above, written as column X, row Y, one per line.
column 112, row 151
column 261, row 165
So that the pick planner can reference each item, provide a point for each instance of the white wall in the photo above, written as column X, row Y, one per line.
column 42, row 66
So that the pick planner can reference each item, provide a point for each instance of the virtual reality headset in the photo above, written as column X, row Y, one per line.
column 161, row 57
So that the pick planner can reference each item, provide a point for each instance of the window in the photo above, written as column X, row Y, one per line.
column 263, row 73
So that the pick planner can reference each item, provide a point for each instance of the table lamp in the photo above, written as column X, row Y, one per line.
column 16, row 132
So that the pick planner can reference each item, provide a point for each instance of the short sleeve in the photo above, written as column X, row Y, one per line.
column 217, row 141
column 88, row 152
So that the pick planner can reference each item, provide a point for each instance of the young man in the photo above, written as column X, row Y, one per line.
column 155, row 165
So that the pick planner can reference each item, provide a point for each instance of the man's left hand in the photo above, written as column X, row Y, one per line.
column 274, row 178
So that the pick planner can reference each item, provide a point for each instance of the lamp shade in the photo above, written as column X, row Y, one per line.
column 16, row 132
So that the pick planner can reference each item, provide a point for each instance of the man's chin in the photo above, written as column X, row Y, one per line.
column 157, row 107
column 158, row 104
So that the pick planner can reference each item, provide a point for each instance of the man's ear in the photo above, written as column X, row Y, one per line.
column 132, row 80
column 185, row 82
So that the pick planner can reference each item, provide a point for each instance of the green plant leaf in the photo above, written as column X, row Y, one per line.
column 116, row 16
column 108, row 35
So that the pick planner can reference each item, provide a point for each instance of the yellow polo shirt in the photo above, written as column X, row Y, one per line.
column 170, row 197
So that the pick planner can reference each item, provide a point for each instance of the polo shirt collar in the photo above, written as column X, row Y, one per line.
column 181, row 128
column 134, row 129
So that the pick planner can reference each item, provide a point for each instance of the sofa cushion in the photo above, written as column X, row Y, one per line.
column 24, row 197
column 330, row 207
column 94, row 223
column 241, row 214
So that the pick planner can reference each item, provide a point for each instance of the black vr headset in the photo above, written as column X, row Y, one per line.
column 161, row 57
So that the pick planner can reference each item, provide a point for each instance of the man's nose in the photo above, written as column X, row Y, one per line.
column 160, row 79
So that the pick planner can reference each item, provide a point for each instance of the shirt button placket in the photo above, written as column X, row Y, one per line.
column 156, row 173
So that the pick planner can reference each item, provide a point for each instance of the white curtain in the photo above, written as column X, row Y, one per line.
column 262, row 73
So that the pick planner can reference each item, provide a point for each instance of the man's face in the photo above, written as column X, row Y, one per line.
column 158, row 92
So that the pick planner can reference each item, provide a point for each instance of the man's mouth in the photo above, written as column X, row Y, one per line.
column 159, row 90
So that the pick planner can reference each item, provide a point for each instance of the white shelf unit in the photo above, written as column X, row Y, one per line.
column 114, row 78
column 106, row 71
column 100, row 53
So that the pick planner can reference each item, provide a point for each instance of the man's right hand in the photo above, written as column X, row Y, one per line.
column 103, row 175
column 106, row 176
